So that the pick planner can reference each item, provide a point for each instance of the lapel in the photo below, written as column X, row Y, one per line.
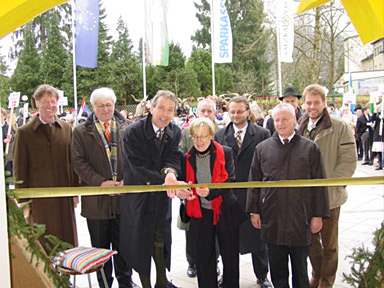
column 248, row 137
column 230, row 138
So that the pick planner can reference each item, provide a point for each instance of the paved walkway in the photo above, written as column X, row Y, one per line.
column 360, row 217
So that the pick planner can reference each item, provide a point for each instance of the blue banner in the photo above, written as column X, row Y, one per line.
column 87, row 30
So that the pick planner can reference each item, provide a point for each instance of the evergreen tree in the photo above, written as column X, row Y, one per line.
column 55, row 56
column 250, row 40
column 125, row 77
column 4, row 91
column 25, row 78
column 200, row 63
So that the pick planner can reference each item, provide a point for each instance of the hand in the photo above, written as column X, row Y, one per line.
column 256, row 221
column 170, row 179
column 202, row 192
column 316, row 224
column 110, row 183
column 8, row 139
column 185, row 193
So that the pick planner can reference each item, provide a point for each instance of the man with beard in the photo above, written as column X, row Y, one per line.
column 243, row 136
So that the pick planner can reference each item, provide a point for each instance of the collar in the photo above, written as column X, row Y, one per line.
column 42, row 121
column 155, row 128
column 242, row 129
column 289, row 138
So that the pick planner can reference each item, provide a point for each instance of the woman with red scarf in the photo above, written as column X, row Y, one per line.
column 214, row 212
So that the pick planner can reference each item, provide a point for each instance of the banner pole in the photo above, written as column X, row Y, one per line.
column 212, row 52
column 74, row 59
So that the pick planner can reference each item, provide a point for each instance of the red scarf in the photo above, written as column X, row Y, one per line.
column 219, row 175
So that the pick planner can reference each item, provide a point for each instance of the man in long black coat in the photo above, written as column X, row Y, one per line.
column 151, row 157
column 365, row 132
column 287, row 216
column 249, row 137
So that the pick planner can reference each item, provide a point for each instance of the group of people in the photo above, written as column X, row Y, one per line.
column 271, row 224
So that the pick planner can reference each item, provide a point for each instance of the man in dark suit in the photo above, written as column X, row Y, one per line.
column 365, row 132
column 151, row 157
column 243, row 136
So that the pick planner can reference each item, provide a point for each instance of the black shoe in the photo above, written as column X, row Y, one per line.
column 170, row 285
column 379, row 168
column 370, row 163
column 220, row 283
column 264, row 283
column 191, row 272
column 365, row 163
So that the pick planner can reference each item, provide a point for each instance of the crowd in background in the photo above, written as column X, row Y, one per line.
column 197, row 138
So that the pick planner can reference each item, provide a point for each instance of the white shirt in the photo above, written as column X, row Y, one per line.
column 289, row 138
column 242, row 135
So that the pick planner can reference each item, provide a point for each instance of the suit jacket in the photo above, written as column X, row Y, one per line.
column 90, row 162
column 249, row 236
column 141, row 212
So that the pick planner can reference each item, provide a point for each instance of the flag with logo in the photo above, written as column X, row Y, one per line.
column 286, row 29
column 222, row 33
column 87, row 32
column 156, row 32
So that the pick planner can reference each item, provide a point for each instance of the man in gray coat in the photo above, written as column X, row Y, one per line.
column 97, row 154
column 243, row 136
column 338, row 150
column 287, row 216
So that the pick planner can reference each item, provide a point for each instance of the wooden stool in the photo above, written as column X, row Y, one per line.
column 69, row 272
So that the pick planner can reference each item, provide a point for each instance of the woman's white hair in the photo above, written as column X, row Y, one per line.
column 284, row 106
column 102, row 94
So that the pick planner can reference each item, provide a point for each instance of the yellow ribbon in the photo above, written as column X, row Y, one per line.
column 87, row 191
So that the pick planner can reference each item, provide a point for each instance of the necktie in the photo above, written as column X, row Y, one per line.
column 159, row 136
column 238, row 138
column 286, row 141
column 107, row 132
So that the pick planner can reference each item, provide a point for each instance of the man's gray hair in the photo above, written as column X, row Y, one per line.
column 284, row 106
column 102, row 94
column 166, row 94
column 209, row 101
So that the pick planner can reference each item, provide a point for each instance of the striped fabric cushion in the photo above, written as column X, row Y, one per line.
column 82, row 259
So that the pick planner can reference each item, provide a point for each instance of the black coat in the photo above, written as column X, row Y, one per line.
column 361, row 125
column 377, row 117
column 286, row 212
column 242, row 160
column 141, row 212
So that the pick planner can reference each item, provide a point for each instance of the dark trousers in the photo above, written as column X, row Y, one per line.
column 190, row 249
column 278, row 263
column 367, row 146
column 260, row 262
column 104, row 234
column 206, row 252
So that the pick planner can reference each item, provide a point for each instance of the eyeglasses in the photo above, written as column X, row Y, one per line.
column 102, row 106
column 199, row 137
column 237, row 112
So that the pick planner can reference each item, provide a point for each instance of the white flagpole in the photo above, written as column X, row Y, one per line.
column 143, row 53
column 278, row 47
column 5, row 274
column 74, row 58
column 212, row 52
